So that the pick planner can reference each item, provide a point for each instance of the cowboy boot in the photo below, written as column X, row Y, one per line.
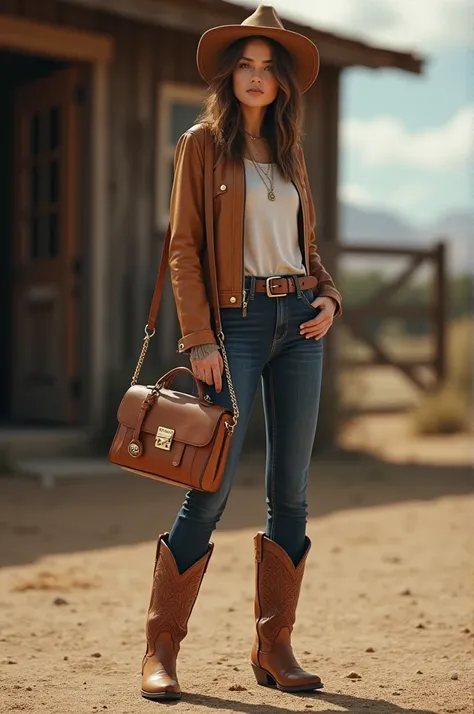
column 277, row 589
column 172, row 600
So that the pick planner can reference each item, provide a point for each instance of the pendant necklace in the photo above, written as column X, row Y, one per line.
column 264, row 177
column 254, row 138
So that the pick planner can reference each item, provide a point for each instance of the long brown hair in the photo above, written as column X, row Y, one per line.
column 281, row 125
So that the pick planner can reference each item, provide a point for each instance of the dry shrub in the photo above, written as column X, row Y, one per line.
column 443, row 412
column 449, row 410
column 460, row 357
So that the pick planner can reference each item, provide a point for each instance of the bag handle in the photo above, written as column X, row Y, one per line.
column 167, row 379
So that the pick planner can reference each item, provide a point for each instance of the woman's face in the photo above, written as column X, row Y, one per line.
column 254, row 82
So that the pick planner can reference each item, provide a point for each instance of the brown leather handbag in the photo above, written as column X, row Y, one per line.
column 168, row 435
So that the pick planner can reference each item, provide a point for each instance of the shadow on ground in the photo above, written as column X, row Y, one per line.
column 126, row 509
column 356, row 705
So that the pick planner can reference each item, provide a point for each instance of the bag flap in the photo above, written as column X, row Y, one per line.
column 192, row 422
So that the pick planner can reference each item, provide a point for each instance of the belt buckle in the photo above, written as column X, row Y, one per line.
column 268, row 289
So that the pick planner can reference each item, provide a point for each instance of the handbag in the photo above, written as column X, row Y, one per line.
column 172, row 436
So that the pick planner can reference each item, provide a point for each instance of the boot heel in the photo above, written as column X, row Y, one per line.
column 263, row 677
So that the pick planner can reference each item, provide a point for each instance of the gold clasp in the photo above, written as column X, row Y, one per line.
column 164, row 438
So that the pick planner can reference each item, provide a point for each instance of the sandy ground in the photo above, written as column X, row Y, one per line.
column 387, row 593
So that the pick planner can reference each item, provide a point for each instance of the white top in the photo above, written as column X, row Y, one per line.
column 271, row 227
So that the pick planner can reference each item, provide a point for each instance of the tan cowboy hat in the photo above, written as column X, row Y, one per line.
column 264, row 22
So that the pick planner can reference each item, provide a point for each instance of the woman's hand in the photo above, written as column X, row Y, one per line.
column 209, row 369
column 318, row 327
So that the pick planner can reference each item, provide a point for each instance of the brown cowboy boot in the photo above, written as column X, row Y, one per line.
column 172, row 600
column 277, row 589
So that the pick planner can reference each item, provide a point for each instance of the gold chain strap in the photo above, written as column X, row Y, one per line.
column 220, row 337
column 146, row 344
column 233, row 398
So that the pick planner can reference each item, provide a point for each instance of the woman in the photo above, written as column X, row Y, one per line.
column 277, row 302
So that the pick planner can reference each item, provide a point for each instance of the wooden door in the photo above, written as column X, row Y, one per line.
column 44, row 320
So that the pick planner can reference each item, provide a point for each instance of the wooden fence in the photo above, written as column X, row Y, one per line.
column 380, row 306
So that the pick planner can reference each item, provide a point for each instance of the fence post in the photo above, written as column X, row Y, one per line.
column 440, row 306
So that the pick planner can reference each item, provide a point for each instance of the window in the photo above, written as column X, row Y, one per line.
column 178, row 107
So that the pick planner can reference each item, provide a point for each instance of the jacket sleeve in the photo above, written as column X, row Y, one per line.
column 326, row 287
column 186, row 245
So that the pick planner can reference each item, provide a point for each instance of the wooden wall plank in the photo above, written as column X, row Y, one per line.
column 78, row 16
column 321, row 151
column 21, row 34
column 143, row 177
column 44, row 10
column 173, row 66
column 123, row 100
column 11, row 7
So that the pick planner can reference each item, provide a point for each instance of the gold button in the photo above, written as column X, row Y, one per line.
column 233, row 299
column 181, row 346
column 223, row 187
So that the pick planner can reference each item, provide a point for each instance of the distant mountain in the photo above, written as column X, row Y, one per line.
column 381, row 227
column 458, row 228
column 361, row 226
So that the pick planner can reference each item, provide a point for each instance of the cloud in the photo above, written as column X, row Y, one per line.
column 356, row 195
column 384, row 140
column 430, row 25
column 409, row 196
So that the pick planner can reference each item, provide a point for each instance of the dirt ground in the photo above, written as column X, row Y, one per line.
column 387, row 593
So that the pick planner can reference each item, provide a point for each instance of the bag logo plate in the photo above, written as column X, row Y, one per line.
column 164, row 438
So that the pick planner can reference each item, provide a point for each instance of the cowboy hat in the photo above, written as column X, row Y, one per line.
column 266, row 23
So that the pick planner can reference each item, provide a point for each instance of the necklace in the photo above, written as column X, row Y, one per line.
column 254, row 138
column 264, row 177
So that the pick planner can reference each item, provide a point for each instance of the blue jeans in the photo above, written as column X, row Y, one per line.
column 265, row 345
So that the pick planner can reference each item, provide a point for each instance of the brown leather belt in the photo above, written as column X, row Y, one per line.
column 279, row 287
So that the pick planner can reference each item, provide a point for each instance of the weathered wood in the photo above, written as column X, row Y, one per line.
column 341, row 52
column 45, row 10
column 321, row 153
column 61, row 43
column 390, row 288
column 382, row 357
column 143, row 178
column 83, row 18
column 351, row 411
column 330, row 165
column 376, row 309
column 171, row 66
column 101, row 247
column 12, row 7
column 174, row 16
column 383, row 249
column 197, row 16
column 123, row 100
column 441, row 302
column 378, row 306
column 314, row 129
column 347, row 363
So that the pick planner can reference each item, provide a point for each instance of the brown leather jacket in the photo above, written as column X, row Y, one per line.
column 187, row 245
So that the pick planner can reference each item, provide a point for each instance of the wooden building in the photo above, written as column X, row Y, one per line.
column 94, row 96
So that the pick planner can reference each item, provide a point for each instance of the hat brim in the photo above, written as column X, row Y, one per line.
column 303, row 51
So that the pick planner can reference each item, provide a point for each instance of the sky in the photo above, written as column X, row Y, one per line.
column 405, row 139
